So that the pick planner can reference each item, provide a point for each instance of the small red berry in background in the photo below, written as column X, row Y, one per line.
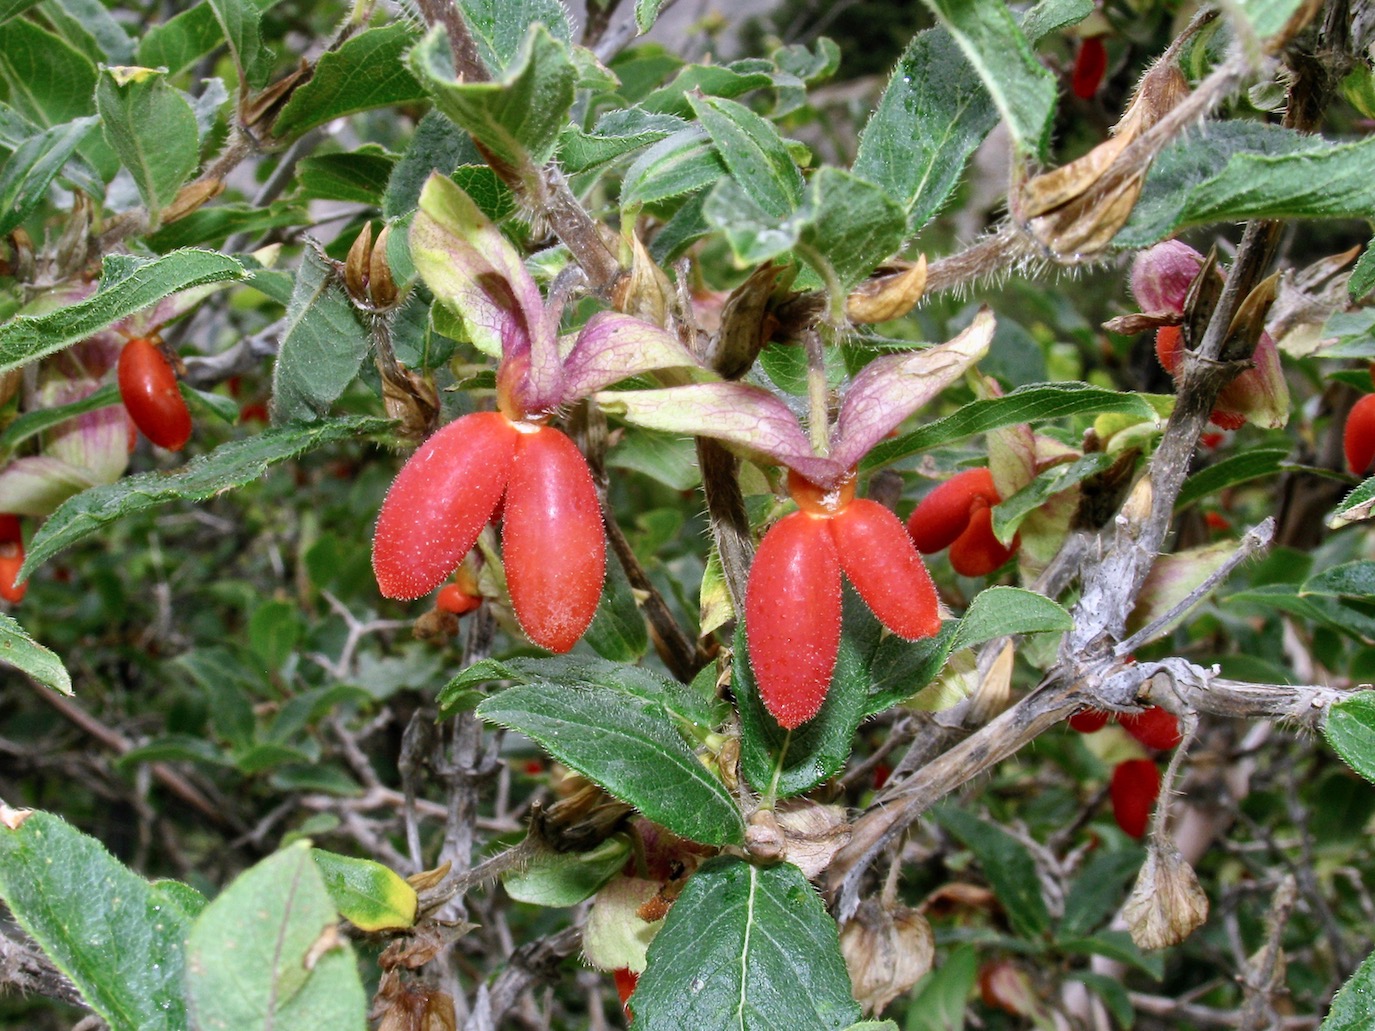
column 11, row 559
column 1358, row 438
column 1154, row 727
column 958, row 515
column 625, row 979
column 1135, row 787
column 460, row 596
column 1089, row 721
column 148, row 387
column 793, row 599
column 1089, row 65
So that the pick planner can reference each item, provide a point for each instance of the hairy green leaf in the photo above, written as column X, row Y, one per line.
column 21, row 651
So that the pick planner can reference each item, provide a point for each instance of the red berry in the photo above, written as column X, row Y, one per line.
column 148, row 387
column 977, row 552
column 453, row 598
column 1169, row 347
column 792, row 617
column 1089, row 65
column 880, row 561
column 10, row 529
column 625, row 979
column 1134, row 789
column 1087, row 721
column 439, row 503
column 1358, row 437
column 1154, row 727
column 944, row 513
column 11, row 559
column 552, row 540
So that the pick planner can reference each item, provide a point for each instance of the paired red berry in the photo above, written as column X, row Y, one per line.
column 11, row 559
column 958, row 515
column 1089, row 721
column 793, row 600
column 1089, row 65
column 1154, row 727
column 148, row 387
column 1358, row 437
column 626, row 980
column 459, row 597
column 552, row 539
column 1135, row 787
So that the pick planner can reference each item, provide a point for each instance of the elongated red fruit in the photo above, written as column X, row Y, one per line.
column 1089, row 721
column 943, row 514
column 11, row 559
column 792, row 617
column 1154, row 727
column 552, row 540
column 148, row 388
column 1134, row 789
column 877, row 555
column 439, row 503
column 1358, row 436
column 1089, row 65
column 977, row 552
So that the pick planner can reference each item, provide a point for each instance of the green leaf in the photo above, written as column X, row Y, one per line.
column 9, row 8
column 782, row 763
column 1266, row 17
column 1348, row 580
column 1362, row 279
column 682, row 163
column 21, row 651
column 753, row 152
column 323, row 345
column 941, row 998
column 618, row 631
column 1355, row 506
column 709, row 80
column 746, row 948
column 119, row 938
column 1189, row 164
column 627, row 744
column 1000, row 611
column 1113, row 993
column 1333, row 613
column 1098, row 891
column 1119, row 946
column 367, row 72
column 1030, row 404
column 847, row 227
column 230, row 465
column 1252, row 464
column 1051, row 15
column 265, row 954
column 49, row 80
column 900, row 669
column 30, row 170
column 128, row 285
column 437, row 145
column 688, row 705
column 615, row 134
column 240, row 22
column 557, row 879
column 932, row 116
column 1020, row 86
column 153, row 130
column 646, row 11
column 500, row 27
column 358, row 176
column 518, row 117
column 1350, row 730
column 1009, row 867
column 108, row 40
column 181, row 40
column 1335, row 180
column 1353, row 1008
column 1008, row 515
column 367, row 894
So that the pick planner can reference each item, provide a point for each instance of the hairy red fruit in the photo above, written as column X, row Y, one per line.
column 1089, row 65
column 148, row 387
column 552, row 540
column 878, row 557
column 1087, row 721
column 1169, row 347
column 1154, row 727
column 977, row 552
column 944, row 513
column 11, row 560
column 1134, row 789
column 626, row 980
column 1358, row 437
column 439, row 503
column 10, row 529
column 792, row 617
